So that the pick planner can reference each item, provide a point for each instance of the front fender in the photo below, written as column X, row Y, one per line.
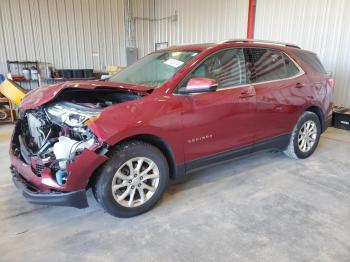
column 161, row 118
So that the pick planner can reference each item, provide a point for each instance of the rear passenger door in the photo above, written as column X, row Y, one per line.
column 279, row 84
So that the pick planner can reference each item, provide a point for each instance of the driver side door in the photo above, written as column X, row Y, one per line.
column 219, row 124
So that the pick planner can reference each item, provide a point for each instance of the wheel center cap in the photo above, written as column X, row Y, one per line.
column 135, row 181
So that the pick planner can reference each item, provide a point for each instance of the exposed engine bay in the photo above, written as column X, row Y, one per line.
column 56, row 133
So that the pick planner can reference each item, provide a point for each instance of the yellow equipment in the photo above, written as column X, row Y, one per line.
column 12, row 91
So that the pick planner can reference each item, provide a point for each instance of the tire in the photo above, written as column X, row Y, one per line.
column 297, row 148
column 122, row 171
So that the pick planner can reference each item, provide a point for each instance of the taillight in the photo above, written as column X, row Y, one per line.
column 330, row 82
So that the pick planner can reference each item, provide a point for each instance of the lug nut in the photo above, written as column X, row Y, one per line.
column 132, row 187
column 139, row 185
column 141, row 177
column 135, row 175
column 130, row 181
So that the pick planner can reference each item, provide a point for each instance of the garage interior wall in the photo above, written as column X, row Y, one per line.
column 318, row 25
column 65, row 33
column 183, row 21
column 200, row 21
column 94, row 33
column 143, row 19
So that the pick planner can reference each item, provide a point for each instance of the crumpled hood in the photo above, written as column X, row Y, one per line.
column 43, row 95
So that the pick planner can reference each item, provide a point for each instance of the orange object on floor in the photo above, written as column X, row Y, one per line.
column 5, row 101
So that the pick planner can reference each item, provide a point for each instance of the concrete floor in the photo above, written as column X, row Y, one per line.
column 263, row 208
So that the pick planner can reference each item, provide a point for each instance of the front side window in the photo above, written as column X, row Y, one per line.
column 268, row 65
column 226, row 67
column 155, row 69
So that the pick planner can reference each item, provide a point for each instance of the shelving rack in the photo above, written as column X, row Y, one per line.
column 19, row 67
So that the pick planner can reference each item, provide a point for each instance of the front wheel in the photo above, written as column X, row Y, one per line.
column 132, row 180
column 305, row 136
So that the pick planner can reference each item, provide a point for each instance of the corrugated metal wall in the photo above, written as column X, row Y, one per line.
column 318, row 25
column 200, row 20
column 66, row 33
column 196, row 21
column 143, row 18
column 92, row 33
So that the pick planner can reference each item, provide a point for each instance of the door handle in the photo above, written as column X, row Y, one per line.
column 245, row 95
column 299, row 85
column 248, row 92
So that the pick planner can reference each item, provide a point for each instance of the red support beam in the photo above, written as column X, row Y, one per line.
column 251, row 19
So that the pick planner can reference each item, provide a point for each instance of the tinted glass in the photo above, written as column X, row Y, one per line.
column 291, row 68
column 226, row 67
column 155, row 69
column 312, row 60
column 265, row 65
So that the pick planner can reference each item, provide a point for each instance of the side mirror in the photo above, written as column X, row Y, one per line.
column 199, row 85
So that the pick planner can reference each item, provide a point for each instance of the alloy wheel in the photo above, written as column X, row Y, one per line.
column 135, row 182
column 307, row 136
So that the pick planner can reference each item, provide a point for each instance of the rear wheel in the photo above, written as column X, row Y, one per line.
column 305, row 136
column 132, row 180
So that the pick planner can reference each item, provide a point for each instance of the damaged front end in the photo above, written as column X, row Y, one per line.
column 54, row 152
column 52, row 137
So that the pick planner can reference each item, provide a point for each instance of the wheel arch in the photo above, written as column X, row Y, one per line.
column 162, row 146
column 174, row 170
column 319, row 113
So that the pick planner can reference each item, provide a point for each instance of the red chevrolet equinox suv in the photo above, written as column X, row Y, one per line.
column 171, row 112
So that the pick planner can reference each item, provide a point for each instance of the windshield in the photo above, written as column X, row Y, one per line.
column 155, row 69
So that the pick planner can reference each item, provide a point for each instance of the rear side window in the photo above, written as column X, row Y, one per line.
column 311, row 60
column 268, row 65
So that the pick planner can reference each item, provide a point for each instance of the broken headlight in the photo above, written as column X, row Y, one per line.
column 71, row 114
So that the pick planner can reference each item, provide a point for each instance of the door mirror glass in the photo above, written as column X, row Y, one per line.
column 199, row 85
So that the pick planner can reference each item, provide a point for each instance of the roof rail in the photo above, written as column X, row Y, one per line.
column 258, row 41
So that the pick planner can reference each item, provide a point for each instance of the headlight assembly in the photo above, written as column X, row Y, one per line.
column 71, row 114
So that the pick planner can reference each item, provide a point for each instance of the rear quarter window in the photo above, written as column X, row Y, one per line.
column 311, row 60
column 291, row 68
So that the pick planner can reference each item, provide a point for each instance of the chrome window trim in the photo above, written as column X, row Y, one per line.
column 218, row 90
column 276, row 80
column 233, row 87
column 301, row 72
